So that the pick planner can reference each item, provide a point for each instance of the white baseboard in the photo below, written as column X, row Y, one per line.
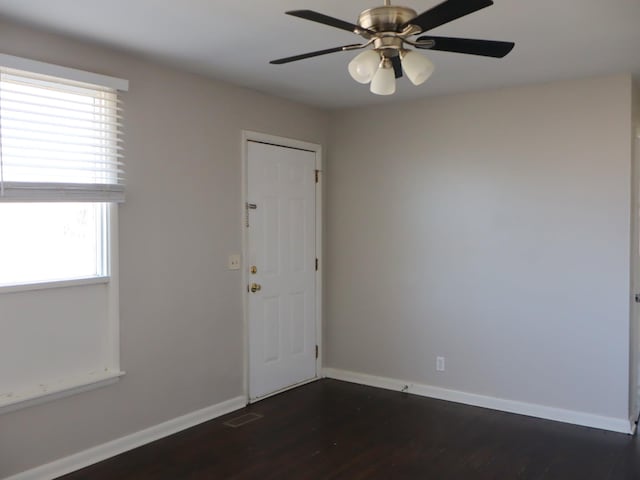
column 613, row 424
column 110, row 449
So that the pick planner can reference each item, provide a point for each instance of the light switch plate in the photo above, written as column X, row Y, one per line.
column 234, row 262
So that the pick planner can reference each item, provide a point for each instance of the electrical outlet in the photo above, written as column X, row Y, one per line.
column 440, row 364
column 234, row 262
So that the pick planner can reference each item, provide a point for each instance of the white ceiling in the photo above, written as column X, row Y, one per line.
column 234, row 40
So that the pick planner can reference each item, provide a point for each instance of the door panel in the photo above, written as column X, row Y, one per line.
column 282, row 248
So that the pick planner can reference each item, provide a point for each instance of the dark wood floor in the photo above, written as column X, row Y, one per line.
column 338, row 430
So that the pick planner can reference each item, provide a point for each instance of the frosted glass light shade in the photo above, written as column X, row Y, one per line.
column 384, row 81
column 417, row 67
column 364, row 66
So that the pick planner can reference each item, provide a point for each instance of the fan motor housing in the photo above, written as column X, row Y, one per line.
column 386, row 19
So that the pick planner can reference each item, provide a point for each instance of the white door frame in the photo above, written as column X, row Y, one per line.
column 247, row 136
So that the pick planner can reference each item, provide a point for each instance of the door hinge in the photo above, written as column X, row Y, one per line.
column 317, row 176
column 637, row 297
column 316, row 264
column 317, row 351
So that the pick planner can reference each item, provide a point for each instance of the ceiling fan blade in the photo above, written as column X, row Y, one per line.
column 446, row 12
column 295, row 58
column 327, row 20
column 397, row 66
column 486, row 48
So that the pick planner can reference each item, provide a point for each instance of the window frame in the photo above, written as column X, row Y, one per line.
column 40, row 195
column 57, row 384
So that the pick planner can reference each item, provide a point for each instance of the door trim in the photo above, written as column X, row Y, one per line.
column 247, row 136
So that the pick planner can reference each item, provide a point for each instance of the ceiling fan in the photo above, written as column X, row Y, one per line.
column 388, row 28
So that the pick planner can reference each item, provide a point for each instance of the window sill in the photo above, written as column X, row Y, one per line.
column 45, row 393
column 27, row 287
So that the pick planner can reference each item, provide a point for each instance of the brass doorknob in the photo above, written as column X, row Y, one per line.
column 255, row 287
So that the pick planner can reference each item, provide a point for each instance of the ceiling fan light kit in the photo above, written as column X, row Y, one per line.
column 364, row 66
column 384, row 80
column 417, row 67
column 387, row 30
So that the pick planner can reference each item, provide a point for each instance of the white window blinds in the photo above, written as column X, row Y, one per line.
column 60, row 137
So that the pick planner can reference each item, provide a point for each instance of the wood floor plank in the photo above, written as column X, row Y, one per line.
column 337, row 430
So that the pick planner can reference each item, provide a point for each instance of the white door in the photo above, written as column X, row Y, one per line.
column 281, row 251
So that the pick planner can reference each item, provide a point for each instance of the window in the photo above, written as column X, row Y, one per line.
column 49, row 242
column 59, row 143
column 61, row 177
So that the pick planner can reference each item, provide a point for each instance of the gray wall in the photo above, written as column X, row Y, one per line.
column 491, row 229
column 181, row 310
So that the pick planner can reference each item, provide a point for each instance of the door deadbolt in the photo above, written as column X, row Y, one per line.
column 254, row 269
column 255, row 287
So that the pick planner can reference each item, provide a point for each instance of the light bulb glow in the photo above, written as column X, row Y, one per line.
column 364, row 66
column 417, row 67
column 384, row 80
